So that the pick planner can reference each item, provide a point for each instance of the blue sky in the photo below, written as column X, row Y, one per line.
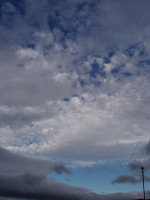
column 75, row 94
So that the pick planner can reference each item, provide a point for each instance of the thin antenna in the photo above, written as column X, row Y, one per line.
column 142, row 168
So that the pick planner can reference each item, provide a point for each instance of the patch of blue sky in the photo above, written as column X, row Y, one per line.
column 75, row 24
column 62, row 40
column 130, row 51
column 29, row 42
column 20, row 65
column 75, row 95
column 143, row 63
column 95, row 70
column 115, row 71
column 102, row 73
column 82, row 178
column 91, row 5
column 54, row 21
column 143, row 68
column 96, row 83
column 126, row 74
column 1, row 8
column 111, row 54
column 81, row 5
column 35, row 24
column 82, row 82
column 30, row 45
column 28, row 143
column 9, row 10
column 118, row 70
column 106, row 60
column 19, row 5
column 99, row 178
column 66, row 99
column 67, row 28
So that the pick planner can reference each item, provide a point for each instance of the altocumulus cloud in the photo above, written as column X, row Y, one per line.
column 74, row 84
column 59, row 93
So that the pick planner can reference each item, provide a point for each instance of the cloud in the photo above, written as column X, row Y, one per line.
column 37, row 187
column 143, row 159
column 74, row 84
column 60, row 126
column 137, row 164
column 147, row 148
column 81, row 51
column 21, row 178
column 125, row 179
column 15, row 164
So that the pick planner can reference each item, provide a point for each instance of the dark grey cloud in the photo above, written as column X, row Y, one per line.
column 15, row 164
column 125, row 179
column 23, row 177
column 136, row 165
column 146, row 178
column 18, row 118
column 37, row 187
column 147, row 148
column 29, row 186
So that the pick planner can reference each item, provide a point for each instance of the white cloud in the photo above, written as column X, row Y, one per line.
column 91, row 127
column 104, row 116
column 28, row 53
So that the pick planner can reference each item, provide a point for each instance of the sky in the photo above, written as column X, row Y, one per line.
column 75, row 99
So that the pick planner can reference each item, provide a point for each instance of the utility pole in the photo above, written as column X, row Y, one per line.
column 142, row 168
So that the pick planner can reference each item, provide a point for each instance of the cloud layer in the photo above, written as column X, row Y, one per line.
column 23, row 177
column 74, row 85
column 14, row 164
column 59, row 93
